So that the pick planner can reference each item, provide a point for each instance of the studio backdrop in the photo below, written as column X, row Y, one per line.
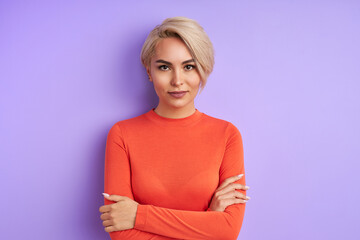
column 286, row 75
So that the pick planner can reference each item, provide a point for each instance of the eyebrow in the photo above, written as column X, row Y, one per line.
column 169, row 63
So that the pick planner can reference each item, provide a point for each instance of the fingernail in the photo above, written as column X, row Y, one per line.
column 240, row 175
column 245, row 200
column 247, row 187
column 247, row 197
column 106, row 195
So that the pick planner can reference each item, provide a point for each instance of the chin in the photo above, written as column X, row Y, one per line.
column 176, row 104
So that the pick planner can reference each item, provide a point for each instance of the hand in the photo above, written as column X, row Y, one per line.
column 120, row 215
column 226, row 195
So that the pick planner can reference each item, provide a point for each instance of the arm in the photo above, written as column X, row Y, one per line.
column 201, row 224
column 117, row 181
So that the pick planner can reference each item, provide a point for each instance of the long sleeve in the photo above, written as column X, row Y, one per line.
column 117, row 181
column 201, row 224
column 172, row 167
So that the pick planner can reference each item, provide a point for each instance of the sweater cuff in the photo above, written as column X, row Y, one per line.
column 141, row 214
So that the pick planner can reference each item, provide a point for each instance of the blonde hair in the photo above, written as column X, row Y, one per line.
column 194, row 37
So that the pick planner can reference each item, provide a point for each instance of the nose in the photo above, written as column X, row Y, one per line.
column 177, row 78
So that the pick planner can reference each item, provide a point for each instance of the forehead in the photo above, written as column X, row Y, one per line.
column 172, row 49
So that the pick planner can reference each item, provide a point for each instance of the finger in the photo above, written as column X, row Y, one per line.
column 231, row 201
column 234, row 194
column 105, row 216
column 238, row 200
column 105, row 208
column 107, row 223
column 230, row 187
column 110, row 229
column 115, row 198
column 230, row 180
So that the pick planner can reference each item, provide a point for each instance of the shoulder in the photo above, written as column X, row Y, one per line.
column 129, row 123
column 225, row 125
column 221, row 129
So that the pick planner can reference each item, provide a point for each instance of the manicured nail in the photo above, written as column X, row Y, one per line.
column 240, row 175
column 245, row 200
column 106, row 195
column 247, row 197
column 247, row 187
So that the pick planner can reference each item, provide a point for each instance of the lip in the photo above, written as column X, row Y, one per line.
column 178, row 94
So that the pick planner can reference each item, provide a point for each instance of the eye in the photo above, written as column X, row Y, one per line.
column 163, row 67
column 189, row 67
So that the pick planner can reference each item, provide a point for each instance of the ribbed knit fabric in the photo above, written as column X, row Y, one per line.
column 172, row 167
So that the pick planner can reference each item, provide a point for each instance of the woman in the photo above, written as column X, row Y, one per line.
column 175, row 172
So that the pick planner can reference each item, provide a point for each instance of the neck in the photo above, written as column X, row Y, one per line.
column 171, row 112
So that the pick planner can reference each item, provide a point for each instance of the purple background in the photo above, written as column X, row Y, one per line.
column 286, row 74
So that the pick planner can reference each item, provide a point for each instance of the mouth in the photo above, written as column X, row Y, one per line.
column 178, row 94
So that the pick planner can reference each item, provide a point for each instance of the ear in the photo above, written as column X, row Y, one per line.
column 148, row 73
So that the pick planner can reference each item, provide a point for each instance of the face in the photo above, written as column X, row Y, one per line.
column 173, row 69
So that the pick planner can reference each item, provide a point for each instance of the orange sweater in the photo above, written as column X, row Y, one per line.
column 172, row 167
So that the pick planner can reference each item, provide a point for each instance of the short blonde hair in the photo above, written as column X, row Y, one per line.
column 194, row 37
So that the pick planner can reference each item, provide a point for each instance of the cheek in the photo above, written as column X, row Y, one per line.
column 160, row 84
column 194, row 80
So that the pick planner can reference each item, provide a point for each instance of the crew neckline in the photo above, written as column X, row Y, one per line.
column 152, row 115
